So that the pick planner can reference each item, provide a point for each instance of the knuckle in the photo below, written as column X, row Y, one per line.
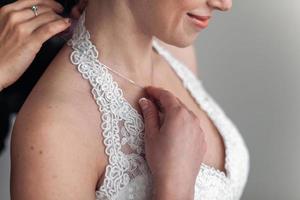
column 12, row 18
column 20, row 30
column 166, row 94
column 48, row 29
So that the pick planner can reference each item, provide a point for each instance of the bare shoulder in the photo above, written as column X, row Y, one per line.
column 186, row 55
column 56, row 148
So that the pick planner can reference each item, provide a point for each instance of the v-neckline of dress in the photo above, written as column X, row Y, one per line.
column 189, row 81
column 178, row 67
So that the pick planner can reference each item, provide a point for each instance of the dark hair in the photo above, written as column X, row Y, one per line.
column 13, row 97
column 68, row 5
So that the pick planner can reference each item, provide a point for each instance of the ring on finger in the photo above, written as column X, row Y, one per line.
column 34, row 8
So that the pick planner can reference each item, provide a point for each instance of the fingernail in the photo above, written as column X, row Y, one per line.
column 143, row 102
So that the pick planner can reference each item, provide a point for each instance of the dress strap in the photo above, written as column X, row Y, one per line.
column 204, row 100
column 122, row 126
column 185, row 74
column 189, row 80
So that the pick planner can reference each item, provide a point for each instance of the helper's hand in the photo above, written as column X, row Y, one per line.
column 22, row 34
column 174, row 143
column 78, row 9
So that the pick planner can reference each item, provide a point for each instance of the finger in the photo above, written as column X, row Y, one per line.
column 165, row 99
column 150, row 114
column 48, row 30
column 183, row 105
column 16, row 17
column 41, row 20
column 23, row 4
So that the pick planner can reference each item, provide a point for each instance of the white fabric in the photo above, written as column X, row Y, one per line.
column 127, row 175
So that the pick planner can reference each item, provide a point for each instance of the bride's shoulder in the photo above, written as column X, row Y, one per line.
column 60, row 116
column 61, row 92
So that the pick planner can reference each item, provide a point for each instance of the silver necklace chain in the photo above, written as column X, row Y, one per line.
column 130, row 80
column 121, row 75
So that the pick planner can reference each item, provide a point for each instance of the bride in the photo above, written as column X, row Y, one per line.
column 93, row 87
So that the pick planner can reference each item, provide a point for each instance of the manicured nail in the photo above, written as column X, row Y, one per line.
column 144, row 103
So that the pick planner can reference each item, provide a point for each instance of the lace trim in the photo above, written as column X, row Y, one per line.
column 196, row 89
column 114, row 108
column 235, row 148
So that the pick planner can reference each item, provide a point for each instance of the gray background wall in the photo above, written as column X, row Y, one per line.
column 249, row 62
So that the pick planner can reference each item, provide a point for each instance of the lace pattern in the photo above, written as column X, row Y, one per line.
column 236, row 152
column 127, row 175
column 124, row 150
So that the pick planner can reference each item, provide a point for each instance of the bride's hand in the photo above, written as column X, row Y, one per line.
column 22, row 34
column 174, row 144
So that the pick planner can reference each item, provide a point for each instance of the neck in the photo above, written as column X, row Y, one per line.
column 121, row 42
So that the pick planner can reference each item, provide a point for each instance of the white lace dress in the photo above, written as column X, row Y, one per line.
column 127, row 175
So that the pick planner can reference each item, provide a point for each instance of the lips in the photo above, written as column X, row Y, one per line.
column 199, row 21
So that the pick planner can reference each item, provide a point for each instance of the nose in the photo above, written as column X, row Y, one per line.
column 223, row 5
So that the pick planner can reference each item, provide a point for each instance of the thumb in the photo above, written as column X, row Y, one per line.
column 150, row 114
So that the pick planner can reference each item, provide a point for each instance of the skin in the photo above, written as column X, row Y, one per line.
column 13, row 16
column 22, row 35
column 163, row 140
column 44, row 138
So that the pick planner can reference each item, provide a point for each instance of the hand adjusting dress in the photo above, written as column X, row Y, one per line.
column 127, row 175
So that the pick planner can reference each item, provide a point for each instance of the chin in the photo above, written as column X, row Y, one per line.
column 181, row 41
column 184, row 43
